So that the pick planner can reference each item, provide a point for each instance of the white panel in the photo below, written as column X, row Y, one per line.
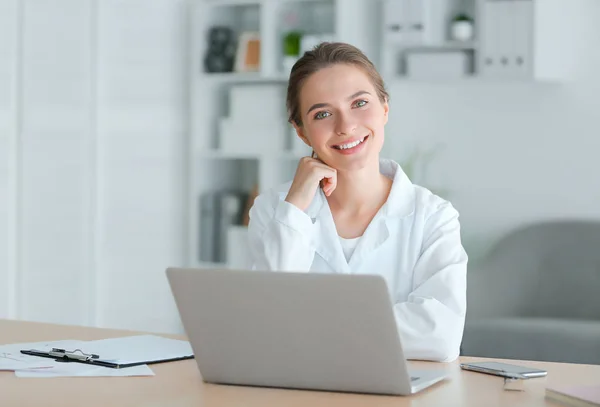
column 5, row 230
column 53, row 228
column 497, row 41
column 55, row 184
column 362, row 35
column 8, row 19
column 142, row 232
column 56, row 65
column 269, row 45
column 141, row 65
column 522, row 57
column 566, row 40
column 8, row 41
column 141, row 78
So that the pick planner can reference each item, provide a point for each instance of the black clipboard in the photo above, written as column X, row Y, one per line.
column 78, row 356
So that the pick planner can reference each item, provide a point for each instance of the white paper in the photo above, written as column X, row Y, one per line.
column 74, row 369
column 20, row 364
column 140, row 348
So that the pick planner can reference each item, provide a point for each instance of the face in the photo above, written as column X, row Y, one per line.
column 342, row 117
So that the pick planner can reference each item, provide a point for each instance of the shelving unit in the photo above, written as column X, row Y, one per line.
column 260, row 149
column 268, row 156
column 513, row 40
column 417, row 39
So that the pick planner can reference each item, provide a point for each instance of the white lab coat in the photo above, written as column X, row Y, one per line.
column 413, row 242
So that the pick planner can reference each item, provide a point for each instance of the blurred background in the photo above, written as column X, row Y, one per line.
column 134, row 135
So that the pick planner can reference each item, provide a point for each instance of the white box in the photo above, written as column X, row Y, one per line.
column 417, row 21
column 252, row 137
column 437, row 65
column 257, row 102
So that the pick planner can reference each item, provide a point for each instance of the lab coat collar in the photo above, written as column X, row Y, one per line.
column 401, row 200
column 400, row 203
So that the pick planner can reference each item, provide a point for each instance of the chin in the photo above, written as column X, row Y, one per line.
column 351, row 165
column 354, row 163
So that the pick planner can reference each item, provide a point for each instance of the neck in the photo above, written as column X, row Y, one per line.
column 361, row 190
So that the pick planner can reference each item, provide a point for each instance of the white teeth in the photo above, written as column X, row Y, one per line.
column 351, row 145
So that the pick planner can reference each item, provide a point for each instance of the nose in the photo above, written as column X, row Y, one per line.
column 345, row 124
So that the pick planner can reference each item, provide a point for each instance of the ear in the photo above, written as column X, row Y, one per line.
column 386, row 111
column 300, row 133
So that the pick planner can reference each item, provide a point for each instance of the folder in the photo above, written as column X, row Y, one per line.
column 120, row 353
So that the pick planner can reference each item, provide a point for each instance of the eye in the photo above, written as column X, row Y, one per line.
column 321, row 115
column 360, row 103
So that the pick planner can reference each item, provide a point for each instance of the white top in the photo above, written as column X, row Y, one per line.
column 348, row 246
column 413, row 241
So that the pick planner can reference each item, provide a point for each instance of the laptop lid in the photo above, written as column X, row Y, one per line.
column 294, row 330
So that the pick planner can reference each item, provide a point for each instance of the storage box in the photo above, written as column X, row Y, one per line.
column 253, row 136
column 257, row 102
column 437, row 65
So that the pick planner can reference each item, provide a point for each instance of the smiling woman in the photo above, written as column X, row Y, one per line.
column 348, row 210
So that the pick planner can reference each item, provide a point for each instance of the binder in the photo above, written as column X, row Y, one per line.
column 142, row 350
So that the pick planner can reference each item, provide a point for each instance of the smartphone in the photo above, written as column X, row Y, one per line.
column 504, row 370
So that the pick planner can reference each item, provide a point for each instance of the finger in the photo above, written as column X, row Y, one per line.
column 332, row 181
column 321, row 164
column 326, row 172
column 329, row 186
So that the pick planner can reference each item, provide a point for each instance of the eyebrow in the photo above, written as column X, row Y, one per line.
column 320, row 105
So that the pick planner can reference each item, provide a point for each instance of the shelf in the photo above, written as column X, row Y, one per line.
column 468, row 80
column 447, row 46
column 403, row 79
column 232, row 3
column 218, row 154
column 243, row 77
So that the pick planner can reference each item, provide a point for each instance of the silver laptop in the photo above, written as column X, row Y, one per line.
column 312, row 331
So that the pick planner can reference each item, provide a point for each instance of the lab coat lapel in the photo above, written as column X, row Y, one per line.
column 326, row 240
column 400, row 203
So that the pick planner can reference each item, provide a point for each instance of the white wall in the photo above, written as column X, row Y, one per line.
column 92, row 128
column 512, row 153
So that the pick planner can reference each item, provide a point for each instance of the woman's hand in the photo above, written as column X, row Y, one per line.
column 310, row 174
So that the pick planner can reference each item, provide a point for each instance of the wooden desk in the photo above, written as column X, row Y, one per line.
column 179, row 384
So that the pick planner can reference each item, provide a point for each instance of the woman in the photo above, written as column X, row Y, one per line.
column 349, row 211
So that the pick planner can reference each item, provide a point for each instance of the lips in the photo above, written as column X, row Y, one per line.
column 350, row 143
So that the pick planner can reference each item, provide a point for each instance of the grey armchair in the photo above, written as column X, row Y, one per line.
column 537, row 295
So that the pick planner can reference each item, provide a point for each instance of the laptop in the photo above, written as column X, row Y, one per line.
column 312, row 331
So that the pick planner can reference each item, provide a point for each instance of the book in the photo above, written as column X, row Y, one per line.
column 575, row 396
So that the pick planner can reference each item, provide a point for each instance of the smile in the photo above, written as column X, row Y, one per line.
column 350, row 145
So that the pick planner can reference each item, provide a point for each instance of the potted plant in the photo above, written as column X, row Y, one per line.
column 291, row 49
column 462, row 27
